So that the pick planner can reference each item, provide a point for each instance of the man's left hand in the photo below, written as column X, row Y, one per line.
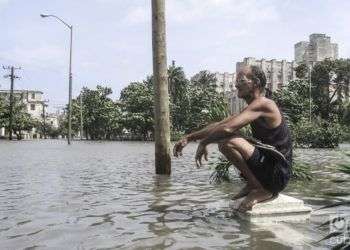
column 201, row 151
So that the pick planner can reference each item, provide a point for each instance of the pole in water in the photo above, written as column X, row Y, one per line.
column 161, row 94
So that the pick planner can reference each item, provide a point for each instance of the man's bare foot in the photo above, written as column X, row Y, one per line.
column 254, row 196
column 243, row 192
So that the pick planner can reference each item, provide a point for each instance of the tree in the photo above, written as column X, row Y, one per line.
column 101, row 116
column 301, row 71
column 137, row 107
column 322, row 75
column 203, row 79
column 179, row 98
column 21, row 120
column 206, row 106
column 294, row 100
column 342, row 71
column 2, row 111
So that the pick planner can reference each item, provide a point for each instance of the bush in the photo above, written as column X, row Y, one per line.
column 317, row 134
column 345, row 137
column 176, row 135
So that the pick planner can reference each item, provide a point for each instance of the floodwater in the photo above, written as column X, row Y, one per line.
column 105, row 195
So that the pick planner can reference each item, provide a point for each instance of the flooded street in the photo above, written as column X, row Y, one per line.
column 105, row 195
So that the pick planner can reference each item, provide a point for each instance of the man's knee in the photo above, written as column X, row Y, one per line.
column 231, row 144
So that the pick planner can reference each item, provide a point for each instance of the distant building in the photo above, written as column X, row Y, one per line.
column 224, row 81
column 278, row 73
column 52, row 120
column 235, row 104
column 34, row 104
column 318, row 48
column 31, row 98
column 225, row 84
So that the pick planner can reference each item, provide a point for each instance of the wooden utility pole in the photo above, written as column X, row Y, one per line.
column 12, row 76
column 161, row 95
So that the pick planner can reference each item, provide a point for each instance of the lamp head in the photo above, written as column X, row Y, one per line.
column 43, row 16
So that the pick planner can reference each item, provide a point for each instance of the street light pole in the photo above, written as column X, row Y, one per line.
column 70, row 75
column 70, row 88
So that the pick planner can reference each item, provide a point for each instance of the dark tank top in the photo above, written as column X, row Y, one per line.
column 278, row 137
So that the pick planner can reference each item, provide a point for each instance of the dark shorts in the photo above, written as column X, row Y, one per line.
column 273, row 174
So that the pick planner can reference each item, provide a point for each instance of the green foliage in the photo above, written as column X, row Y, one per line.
column 192, row 105
column 301, row 171
column 101, row 115
column 221, row 171
column 137, row 107
column 2, row 111
column 203, row 79
column 176, row 135
column 206, row 105
column 345, row 168
column 325, row 129
column 301, row 71
column 346, row 114
column 48, row 130
column 179, row 98
column 316, row 134
column 294, row 100
column 21, row 120
column 322, row 74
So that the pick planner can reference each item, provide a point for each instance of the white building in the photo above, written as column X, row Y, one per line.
column 34, row 103
column 225, row 82
column 52, row 120
column 278, row 73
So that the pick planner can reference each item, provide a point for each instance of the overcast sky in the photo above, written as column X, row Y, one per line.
column 112, row 38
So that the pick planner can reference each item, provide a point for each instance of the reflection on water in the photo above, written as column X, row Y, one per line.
column 106, row 196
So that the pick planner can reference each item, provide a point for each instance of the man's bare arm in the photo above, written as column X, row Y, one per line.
column 201, row 134
column 232, row 125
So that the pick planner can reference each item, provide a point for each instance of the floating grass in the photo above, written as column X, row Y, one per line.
column 301, row 171
column 221, row 172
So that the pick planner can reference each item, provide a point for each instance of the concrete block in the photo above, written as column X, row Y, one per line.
column 282, row 208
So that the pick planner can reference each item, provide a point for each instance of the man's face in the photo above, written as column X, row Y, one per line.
column 244, row 85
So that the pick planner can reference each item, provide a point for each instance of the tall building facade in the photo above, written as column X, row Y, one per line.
column 225, row 82
column 318, row 48
column 278, row 73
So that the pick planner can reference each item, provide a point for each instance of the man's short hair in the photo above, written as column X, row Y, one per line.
column 258, row 76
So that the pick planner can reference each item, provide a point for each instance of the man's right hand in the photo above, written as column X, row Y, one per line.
column 177, row 150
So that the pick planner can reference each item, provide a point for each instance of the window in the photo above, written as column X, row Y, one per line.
column 32, row 106
column 33, row 95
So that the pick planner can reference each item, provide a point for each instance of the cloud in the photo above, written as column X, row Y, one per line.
column 41, row 57
column 3, row 4
column 138, row 15
column 232, row 10
column 185, row 12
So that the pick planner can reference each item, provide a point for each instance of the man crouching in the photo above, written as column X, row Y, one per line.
column 266, row 169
